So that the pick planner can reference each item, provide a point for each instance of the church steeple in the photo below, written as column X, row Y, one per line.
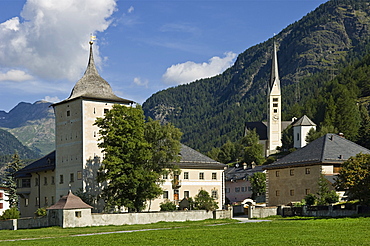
column 274, row 106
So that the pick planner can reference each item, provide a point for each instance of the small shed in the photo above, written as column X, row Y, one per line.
column 70, row 211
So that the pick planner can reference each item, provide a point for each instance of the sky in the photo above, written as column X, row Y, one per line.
column 141, row 47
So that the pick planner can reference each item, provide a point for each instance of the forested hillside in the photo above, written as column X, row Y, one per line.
column 311, row 52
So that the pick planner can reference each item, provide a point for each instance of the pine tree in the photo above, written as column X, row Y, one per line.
column 10, row 181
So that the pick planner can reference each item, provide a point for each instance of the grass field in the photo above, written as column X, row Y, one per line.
column 343, row 231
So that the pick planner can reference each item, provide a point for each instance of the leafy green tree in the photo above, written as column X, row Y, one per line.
column 9, row 214
column 325, row 195
column 167, row 206
column 203, row 201
column 227, row 153
column 10, row 181
column 364, row 131
column 253, row 150
column 354, row 177
column 287, row 141
column 258, row 183
column 315, row 134
column 135, row 156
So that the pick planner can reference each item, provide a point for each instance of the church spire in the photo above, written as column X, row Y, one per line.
column 274, row 70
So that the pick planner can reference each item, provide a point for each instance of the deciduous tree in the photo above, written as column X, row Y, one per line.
column 10, row 181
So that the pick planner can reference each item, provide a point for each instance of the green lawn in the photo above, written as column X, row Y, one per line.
column 344, row 231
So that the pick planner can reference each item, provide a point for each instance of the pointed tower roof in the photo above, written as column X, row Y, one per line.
column 274, row 70
column 93, row 86
column 70, row 201
column 304, row 121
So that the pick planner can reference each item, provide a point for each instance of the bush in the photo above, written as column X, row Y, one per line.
column 167, row 206
column 40, row 212
column 310, row 199
column 9, row 214
column 203, row 201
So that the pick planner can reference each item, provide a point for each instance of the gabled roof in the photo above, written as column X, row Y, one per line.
column 191, row 158
column 43, row 164
column 304, row 121
column 328, row 149
column 261, row 127
column 93, row 86
column 70, row 201
column 238, row 173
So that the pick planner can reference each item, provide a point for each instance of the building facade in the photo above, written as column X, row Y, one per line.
column 4, row 204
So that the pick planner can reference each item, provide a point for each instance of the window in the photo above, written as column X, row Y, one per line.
column 291, row 172
column 237, row 189
column 244, row 189
column 46, row 201
column 214, row 176
column 277, row 193
column 106, row 110
column 26, row 183
column 275, row 110
column 277, row 173
column 1, row 205
column 214, row 194
column 1, row 195
column 186, row 175
column 52, row 200
column 37, row 200
column 79, row 175
column 165, row 176
column 291, row 192
column 308, row 191
column 227, row 190
column 308, row 170
column 275, row 99
column 52, row 180
column 26, row 202
column 275, row 105
column 201, row 175
column 78, row 214
column 61, row 181
column 249, row 188
column 68, row 113
column 36, row 182
column 45, row 181
column 71, row 178
column 186, row 194
column 165, row 194
column 297, row 136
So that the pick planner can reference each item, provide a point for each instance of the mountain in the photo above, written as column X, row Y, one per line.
column 311, row 52
column 33, row 124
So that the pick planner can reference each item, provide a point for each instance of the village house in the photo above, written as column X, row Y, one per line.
column 4, row 204
column 294, row 176
column 75, row 162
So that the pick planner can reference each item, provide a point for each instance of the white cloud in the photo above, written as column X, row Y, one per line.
column 51, row 99
column 140, row 82
column 130, row 10
column 50, row 41
column 15, row 75
column 189, row 71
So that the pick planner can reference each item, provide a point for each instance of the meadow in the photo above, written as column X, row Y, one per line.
column 296, row 231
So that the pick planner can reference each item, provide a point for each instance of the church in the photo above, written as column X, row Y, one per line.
column 270, row 132
column 76, row 159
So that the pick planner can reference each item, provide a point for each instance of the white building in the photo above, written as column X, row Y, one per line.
column 4, row 204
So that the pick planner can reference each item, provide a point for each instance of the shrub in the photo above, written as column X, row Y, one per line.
column 11, row 213
column 40, row 212
column 167, row 206
column 310, row 199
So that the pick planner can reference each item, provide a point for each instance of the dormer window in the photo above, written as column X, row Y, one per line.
column 68, row 113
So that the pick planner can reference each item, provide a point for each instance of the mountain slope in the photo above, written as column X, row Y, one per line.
column 33, row 124
column 210, row 111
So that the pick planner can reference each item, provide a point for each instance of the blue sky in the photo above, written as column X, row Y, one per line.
column 142, row 46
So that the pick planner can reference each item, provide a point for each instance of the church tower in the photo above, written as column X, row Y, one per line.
column 76, row 137
column 274, row 107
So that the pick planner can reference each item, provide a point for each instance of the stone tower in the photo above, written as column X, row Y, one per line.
column 274, row 107
column 77, row 154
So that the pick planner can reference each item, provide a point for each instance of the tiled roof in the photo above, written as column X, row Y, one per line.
column 43, row 164
column 70, row 201
column 238, row 173
column 329, row 148
column 304, row 121
column 93, row 86
column 191, row 158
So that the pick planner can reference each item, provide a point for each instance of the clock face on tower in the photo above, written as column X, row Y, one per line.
column 275, row 117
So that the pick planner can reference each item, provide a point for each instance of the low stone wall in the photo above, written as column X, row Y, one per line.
column 319, row 211
column 68, row 218
column 148, row 218
column 261, row 212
